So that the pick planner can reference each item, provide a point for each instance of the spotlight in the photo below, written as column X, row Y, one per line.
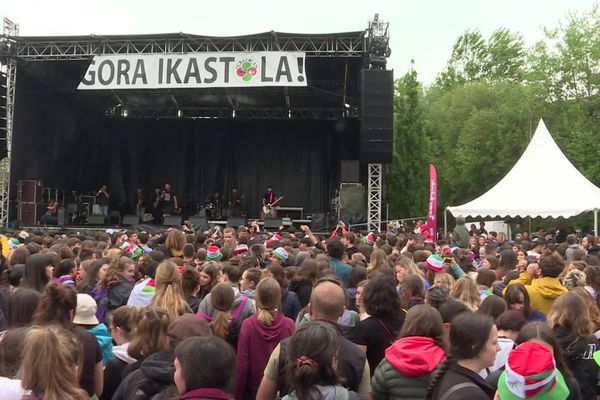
column 124, row 112
column 179, row 113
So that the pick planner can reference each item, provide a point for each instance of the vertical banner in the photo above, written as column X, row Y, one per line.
column 432, row 213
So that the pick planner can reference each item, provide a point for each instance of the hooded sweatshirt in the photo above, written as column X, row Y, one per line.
column 460, row 235
column 154, row 376
column 104, row 340
column 407, row 369
column 113, row 373
column 255, row 344
column 578, row 355
column 542, row 291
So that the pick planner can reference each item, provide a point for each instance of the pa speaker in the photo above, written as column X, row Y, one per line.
column 131, row 219
column 172, row 220
column 377, row 113
column 235, row 222
column 62, row 216
column 96, row 219
column 350, row 171
column 273, row 223
column 198, row 222
column 318, row 223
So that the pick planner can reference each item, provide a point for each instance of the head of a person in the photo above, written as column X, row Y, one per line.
column 57, row 306
column 327, row 301
column 65, row 267
column 169, row 293
column 412, row 287
column 492, row 306
column 569, row 310
column 229, row 235
column 209, row 275
column 193, row 372
column 312, row 354
column 485, row 277
column 551, row 265
column 381, row 299
column 222, row 297
column 230, row 273
column 120, row 268
column 189, row 251
column 14, row 274
column 335, row 248
column 511, row 322
column 150, row 334
column 465, row 289
column 186, row 326
column 277, row 272
column 175, row 240
column 38, row 271
column 11, row 351
column 51, row 362
column 517, row 298
column 436, row 295
column 474, row 337
column 21, row 305
column 425, row 321
column 268, row 300
column 122, row 322
column 250, row 279
column 540, row 331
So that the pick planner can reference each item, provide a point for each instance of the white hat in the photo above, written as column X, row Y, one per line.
column 85, row 314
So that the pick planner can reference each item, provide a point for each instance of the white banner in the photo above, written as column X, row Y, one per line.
column 195, row 70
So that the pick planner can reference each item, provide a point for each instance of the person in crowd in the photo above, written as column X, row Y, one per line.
column 38, row 271
column 304, row 280
column 65, row 272
column 113, row 291
column 412, row 291
column 258, row 337
column 410, row 362
column 249, row 281
column 356, row 276
column 174, row 243
column 542, row 282
column 311, row 364
column 198, row 380
column 473, row 347
column 57, row 307
column 169, row 293
column 517, row 298
column 335, row 250
column 381, row 328
column 227, row 321
column 570, row 320
column 50, row 364
column 154, row 379
column 405, row 266
column 290, row 304
column 460, row 235
column 85, row 316
column 92, row 272
column 492, row 306
column 465, row 290
column 327, row 304
column 230, row 275
column 21, row 305
column 121, row 324
column 208, row 279
column 190, row 284
column 143, row 292
column 509, row 324
column 12, row 346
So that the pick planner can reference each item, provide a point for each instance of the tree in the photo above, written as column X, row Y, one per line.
column 407, row 184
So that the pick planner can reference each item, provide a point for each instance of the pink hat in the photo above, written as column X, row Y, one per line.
column 240, row 249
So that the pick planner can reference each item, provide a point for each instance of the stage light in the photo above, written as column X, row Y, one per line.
column 346, row 105
column 179, row 113
column 124, row 112
column 289, row 113
column 233, row 113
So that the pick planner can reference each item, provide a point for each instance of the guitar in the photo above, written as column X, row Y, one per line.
column 267, row 208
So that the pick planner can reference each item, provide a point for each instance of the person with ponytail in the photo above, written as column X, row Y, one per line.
column 473, row 347
column 113, row 290
column 259, row 335
column 311, row 364
column 227, row 322
column 51, row 365
column 57, row 307
column 169, row 293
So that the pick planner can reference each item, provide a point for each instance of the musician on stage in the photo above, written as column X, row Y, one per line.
column 50, row 217
column 103, row 199
column 269, row 198
column 214, row 205
column 140, row 209
column 168, row 199
column 235, row 203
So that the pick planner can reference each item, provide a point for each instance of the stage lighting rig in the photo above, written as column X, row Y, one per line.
column 378, row 40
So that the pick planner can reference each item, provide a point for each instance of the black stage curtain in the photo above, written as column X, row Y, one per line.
column 69, row 145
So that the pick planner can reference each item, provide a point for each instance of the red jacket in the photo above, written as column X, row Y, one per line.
column 206, row 394
column 255, row 345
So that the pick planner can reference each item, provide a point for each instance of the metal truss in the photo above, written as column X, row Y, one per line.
column 10, row 69
column 83, row 48
column 374, row 192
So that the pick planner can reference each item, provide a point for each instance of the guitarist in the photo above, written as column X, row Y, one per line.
column 269, row 198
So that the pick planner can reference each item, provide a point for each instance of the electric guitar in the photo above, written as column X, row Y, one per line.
column 267, row 208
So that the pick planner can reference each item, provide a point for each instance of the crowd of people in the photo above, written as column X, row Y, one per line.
column 247, row 314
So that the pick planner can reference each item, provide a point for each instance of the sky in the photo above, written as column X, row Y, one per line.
column 423, row 30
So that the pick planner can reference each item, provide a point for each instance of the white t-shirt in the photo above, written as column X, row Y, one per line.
column 10, row 389
column 506, row 346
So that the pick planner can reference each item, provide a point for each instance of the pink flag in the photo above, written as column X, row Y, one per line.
column 432, row 213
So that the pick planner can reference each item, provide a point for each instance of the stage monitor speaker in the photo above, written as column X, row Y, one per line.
column 198, row 222
column 377, row 113
column 172, row 220
column 235, row 222
column 96, row 219
column 350, row 171
column 272, row 223
column 131, row 219
column 318, row 223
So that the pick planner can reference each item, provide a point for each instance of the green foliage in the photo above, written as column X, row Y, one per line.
column 407, row 183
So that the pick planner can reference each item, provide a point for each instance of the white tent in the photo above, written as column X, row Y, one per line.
column 543, row 183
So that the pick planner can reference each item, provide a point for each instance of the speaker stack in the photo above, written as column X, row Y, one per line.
column 377, row 113
column 30, row 204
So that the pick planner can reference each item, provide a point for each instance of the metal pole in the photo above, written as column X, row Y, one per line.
column 445, row 223
column 595, row 222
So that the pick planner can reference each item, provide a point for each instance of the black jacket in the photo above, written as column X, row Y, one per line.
column 153, row 380
column 456, row 375
column 118, row 293
column 578, row 357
